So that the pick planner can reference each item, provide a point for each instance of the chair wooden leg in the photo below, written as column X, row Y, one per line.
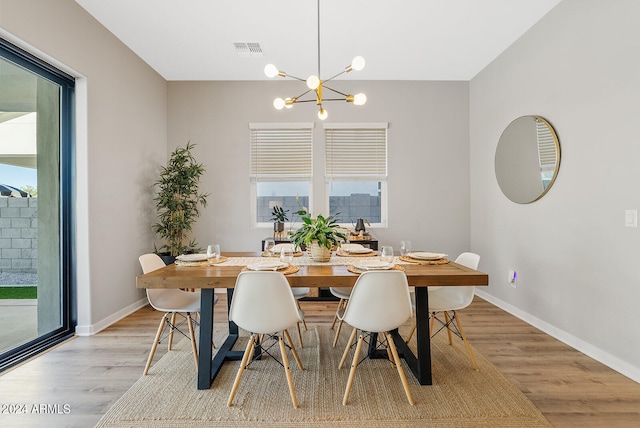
column 193, row 339
column 303, row 321
column 293, row 350
column 243, row 364
column 352, row 372
column 300, row 335
column 335, row 317
column 466, row 342
column 396, row 358
column 173, row 322
column 251, row 354
column 413, row 330
column 389, row 355
column 335, row 339
column 346, row 349
column 432, row 318
column 285, row 362
column 448, row 320
column 155, row 343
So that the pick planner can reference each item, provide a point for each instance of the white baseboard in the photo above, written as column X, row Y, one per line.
column 597, row 354
column 88, row 330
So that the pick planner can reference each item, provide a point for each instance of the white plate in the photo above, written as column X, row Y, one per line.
column 268, row 265
column 423, row 255
column 192, row 257
column 374, row 265
column 351, row 247
column 359, row 250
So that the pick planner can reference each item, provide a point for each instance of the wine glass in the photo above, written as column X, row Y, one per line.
column 386, row 254
column 286, row 254
column 405, row 248
column 269, row 245
column 213, row 252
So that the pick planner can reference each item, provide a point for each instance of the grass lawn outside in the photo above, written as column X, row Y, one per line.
column 27, row 292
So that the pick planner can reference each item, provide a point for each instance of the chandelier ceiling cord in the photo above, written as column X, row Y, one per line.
column 316, row 84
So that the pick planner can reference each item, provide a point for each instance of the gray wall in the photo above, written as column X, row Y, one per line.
column 120, row 144
column 577, row 264
column 427, row 150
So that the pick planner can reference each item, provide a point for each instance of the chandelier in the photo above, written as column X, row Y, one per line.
column 316, row 85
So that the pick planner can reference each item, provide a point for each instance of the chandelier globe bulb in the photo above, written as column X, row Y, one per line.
column 357, row 63
column 270, row 70
column 278, row 103
column 322, row 114
column 359, row 99
column 313, row 82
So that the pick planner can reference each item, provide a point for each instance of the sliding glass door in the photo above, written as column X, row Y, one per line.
column 35, row 205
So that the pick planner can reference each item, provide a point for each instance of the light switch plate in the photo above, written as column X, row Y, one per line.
column 631, row 218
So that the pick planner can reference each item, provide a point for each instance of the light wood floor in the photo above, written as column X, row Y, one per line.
column 90, row 373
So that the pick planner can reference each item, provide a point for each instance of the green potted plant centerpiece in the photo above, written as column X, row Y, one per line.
column 279, row 216
column 178, row 202
column 318, row 234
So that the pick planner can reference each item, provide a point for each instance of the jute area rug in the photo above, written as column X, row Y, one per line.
column 459, row 396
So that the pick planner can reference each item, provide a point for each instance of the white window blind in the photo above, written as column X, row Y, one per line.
column 356, row 151
column 546, row 145
column 281, row 152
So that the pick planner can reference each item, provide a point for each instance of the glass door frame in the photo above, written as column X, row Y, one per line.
column 68, row 319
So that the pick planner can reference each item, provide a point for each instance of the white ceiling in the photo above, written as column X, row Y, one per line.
column 400, row 40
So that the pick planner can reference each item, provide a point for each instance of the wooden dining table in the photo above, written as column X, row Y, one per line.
column 208, row 278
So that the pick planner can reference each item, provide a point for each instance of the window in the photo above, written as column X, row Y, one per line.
column 356, row 171
column 281, row 168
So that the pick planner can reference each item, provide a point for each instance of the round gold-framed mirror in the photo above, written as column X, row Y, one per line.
column 527, row 159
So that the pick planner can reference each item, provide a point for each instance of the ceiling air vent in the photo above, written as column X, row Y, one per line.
column 248, row 49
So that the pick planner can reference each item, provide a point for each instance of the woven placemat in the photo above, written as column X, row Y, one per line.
column 288, row 270
column 424, row 262
column 346, row 254
column 268, row 254
column 353, row 269
column 209, row 262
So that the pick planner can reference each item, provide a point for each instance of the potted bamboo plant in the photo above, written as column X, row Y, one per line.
column 178, row 202
column 318, row 234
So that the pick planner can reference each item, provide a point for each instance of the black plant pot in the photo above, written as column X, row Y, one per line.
column 167, row 258
column 278, row 226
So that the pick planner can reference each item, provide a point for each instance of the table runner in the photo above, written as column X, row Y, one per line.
column 303, row 261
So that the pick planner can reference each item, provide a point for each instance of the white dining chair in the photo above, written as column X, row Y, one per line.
column 444, row 302
column 379, row 303
column 174, row 303
column 298, row 292
column 263, row 304
column 343, row 294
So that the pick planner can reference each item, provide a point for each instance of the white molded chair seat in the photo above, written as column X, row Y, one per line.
column 443, row 300
column 263, row 303
column 379, row 303
column 172, row 302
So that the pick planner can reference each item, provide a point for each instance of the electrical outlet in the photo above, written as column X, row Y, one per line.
column 512, row 278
